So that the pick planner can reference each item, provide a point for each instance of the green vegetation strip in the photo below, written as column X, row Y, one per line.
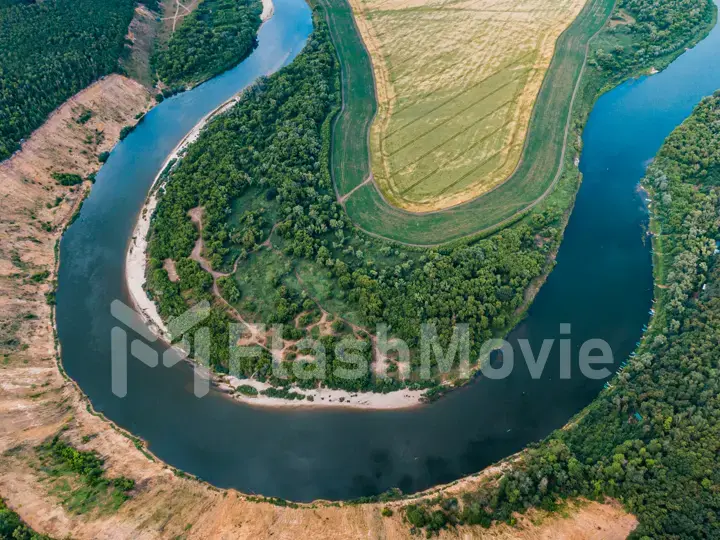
column 79, row 478
column 542, row 159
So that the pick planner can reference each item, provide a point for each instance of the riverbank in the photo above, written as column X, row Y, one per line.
column 136, row 256
column 267, row 11
column 320, row 397
column 35, row 207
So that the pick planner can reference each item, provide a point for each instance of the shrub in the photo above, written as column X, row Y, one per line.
column 67, row 179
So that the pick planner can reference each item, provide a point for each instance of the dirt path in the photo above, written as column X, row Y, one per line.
column 175, row 11
column 196, row 217
column 177, row 14
column 345, row 197
column 357, row 330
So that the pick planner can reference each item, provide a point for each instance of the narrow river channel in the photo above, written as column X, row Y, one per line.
column 602, row 286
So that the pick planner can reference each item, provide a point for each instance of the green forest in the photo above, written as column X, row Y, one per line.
column 267, row 159
column 216, row 36
column 49, row 51
column 659, row 31
column 652, row 439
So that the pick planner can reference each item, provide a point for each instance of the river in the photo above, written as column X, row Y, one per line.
column 602, row 286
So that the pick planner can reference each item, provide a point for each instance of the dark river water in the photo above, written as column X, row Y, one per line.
column 602, row 286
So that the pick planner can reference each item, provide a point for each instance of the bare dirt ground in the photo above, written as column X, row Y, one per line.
column 142, row 34
column 623, row 18
column 36, row 400
column 174, row 11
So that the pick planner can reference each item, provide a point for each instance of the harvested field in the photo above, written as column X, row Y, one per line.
column 543, row 155
column 456, row 82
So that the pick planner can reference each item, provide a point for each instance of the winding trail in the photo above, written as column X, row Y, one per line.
column 343, row 198
column 174, row 18
column 196, row 255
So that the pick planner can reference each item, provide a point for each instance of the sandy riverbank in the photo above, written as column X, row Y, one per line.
column 268, row 10
column 322, row 397
column 136, row 260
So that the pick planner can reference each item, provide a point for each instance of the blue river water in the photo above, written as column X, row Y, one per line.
column 602, row 286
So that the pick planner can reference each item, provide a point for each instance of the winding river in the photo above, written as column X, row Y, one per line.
column 602, row 286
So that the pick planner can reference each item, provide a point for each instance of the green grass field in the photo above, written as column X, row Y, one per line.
column 350, row 133
column 540, row 164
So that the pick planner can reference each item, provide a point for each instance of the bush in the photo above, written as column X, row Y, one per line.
column 247, row 390
column 124, row 484
column 12, row 527
column 125, row 131
column 67, row 179
column 40, row 276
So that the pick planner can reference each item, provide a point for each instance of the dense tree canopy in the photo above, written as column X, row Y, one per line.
column 49, row 51
column 657, row 30
column 213, row 38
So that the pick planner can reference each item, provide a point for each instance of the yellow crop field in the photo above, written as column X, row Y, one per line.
column 456, row 81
